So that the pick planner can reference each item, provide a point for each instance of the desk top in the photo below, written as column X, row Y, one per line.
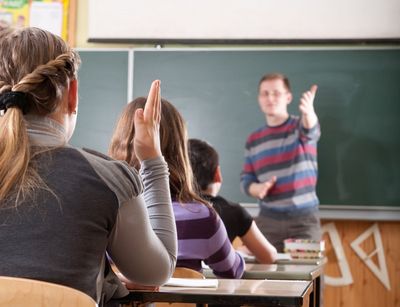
column 282, row 271
column 316, row 261
column 233, row 291
column 277, row 271
column 302, row 261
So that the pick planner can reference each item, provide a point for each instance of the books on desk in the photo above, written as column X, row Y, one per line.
column 283, row 257
column 304, row 248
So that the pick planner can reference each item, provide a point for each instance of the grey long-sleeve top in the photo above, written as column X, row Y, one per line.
column 89, row 204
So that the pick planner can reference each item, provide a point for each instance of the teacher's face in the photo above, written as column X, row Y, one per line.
column 274, row 97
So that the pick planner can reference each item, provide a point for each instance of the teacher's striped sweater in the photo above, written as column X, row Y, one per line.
column 288, row 151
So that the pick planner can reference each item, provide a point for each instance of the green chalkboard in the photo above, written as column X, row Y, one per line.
column 103, row 84
column 358, row 103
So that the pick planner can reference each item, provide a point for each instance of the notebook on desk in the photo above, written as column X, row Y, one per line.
column 283, row 256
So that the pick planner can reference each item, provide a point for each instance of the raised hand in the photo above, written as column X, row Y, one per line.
column 306, row 106
column 147, row 125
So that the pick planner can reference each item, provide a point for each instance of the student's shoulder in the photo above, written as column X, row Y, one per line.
column 223, row 202
column 123, row 179
column 193, row 210
column 233, row 208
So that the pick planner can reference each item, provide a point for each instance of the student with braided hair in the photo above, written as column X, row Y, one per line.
column 62, row 208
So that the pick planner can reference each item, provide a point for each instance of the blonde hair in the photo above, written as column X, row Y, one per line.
column 40, row 65
column 173, row 138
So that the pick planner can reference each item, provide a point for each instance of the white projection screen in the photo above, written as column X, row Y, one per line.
column 242, row 20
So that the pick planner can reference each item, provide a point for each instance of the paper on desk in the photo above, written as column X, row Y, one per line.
column 205, row 266
column 192, row 282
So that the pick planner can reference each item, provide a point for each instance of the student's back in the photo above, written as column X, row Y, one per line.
column 202, row 237
column 236, row 219
column 61, row 236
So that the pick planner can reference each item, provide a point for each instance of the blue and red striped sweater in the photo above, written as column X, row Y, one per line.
column 289, row 152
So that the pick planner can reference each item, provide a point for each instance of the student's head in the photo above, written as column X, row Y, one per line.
column 37, row 72
column 173, row 139
column 37, row 76
column 205, row 164
column 274, row 94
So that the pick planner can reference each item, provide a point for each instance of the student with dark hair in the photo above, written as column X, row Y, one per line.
column 238, row 222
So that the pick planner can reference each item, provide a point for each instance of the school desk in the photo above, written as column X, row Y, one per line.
column 284, row 272
column 285, row 260
column 229, row 292
column 317, row 261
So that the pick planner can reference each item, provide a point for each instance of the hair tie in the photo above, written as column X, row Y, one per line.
column 13, row 99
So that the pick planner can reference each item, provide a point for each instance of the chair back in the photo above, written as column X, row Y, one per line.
column 187, row 273
column 23, row 292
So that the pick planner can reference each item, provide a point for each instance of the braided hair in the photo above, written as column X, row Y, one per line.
column 36, row 68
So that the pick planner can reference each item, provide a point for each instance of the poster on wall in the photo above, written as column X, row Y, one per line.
column 51, row 15
column 14, row 13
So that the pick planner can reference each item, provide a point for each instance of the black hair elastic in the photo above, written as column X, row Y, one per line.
column 14, row 99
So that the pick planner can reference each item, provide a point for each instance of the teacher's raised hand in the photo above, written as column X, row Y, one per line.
column 306, row 106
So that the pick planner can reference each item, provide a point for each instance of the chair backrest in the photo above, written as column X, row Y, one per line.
column 16, row 292
column 183, row 273
column 187, row 273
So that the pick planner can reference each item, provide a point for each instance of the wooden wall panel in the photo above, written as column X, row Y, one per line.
column 366, row 289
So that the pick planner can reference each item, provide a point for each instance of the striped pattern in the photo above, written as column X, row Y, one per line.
column 289, row 152
column 202, row 237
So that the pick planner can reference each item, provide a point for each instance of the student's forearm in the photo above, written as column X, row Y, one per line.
column 157, row 196
column 145, row 230
column 259, row 246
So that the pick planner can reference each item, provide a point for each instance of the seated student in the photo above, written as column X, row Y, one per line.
column 62, row 208
column 201, row 233
column 238, row 222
